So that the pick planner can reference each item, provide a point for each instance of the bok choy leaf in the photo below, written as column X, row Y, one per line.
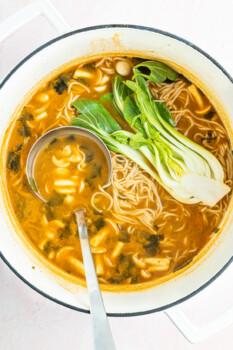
column 94, row 117
column 120, row 92
column 97, row 115
column 157, row 72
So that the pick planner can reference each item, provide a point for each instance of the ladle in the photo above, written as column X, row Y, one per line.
column 103, row 339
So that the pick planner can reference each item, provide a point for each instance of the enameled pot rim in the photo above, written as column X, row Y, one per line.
column 93, row 28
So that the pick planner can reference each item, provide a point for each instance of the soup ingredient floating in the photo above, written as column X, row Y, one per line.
column 189, row 172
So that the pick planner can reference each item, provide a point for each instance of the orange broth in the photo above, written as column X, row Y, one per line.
column 125, row 252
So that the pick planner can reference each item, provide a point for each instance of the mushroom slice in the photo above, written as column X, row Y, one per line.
column 145, row 274
column 158, row 264
column 63, row 252
column 196, row 94
column 60, row 163
column 61, row 171
column 65, row 190
column 41, row 116
column 98, row 250
column 117, row 250
column 78, row 265
column 204, row 110
column 81, row 73
column 64, row 183
column 99, row 265
column 138, row 261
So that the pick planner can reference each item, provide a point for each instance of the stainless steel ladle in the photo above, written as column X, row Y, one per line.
column 103, row 339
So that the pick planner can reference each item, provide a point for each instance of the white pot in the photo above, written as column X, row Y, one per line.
column 119, row 40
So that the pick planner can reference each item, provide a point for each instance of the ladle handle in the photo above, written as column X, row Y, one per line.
column 103, row 339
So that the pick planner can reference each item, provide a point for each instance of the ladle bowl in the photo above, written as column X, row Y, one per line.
column 53, row 134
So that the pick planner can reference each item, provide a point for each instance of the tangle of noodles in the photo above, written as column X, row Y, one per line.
column 131, row 187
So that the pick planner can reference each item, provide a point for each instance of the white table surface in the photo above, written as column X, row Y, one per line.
column 28, row 321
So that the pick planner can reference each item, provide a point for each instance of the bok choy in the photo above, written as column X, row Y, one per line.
column 186, row 170
column 158, row 72
column 180, row 162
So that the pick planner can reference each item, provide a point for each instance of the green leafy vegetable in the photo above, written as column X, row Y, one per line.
column 125, row 103
column 94, row 117
column 152, row 246
column 90, row 66
column 124, row 269
column 216, row 230
column 173, row 155
column 65, row 232
column 19, row 147
column 20, row 206
column 49, row 247
column 156, row 71
column 132, row 114
column 70, row 138
column 186, row 170
column 49, row 213
column 97, row 115
column 120, row 92
column 13, row 162
column 32, row 184
column 123, row 235
column 60, row 84
column 165, row 113
column 25, row 117
column 56, row 199
column 99, row 223
column 107, row 99
column 25, row 130
column 54, row 141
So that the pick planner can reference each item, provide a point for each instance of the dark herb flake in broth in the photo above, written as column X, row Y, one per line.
column 49, row 213
column 71, row 138
column 25, row 130
column 56, row 199
column 99, row 223
column 19, row 147
column 210, row 115
column 26, row 117
column 60, row 84
column 90, row 66
column 123, row 235
column 65, row 231
column 13, row 162
column 152, row 247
